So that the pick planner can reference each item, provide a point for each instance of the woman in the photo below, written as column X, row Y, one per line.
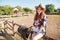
column 39, row 23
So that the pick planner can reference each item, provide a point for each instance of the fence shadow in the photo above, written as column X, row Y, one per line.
column 48, row 38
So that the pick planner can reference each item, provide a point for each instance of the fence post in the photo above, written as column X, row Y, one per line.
column 5, row 24
column 13, row 24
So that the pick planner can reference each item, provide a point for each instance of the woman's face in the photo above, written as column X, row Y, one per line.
column 39, row 10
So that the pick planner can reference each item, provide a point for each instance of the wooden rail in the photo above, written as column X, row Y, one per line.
column 3, row 30
column 6, row 24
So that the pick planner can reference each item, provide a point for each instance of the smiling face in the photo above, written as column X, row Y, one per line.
column 38, row 10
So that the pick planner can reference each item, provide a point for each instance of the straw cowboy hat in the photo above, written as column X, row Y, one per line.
column 43, row 9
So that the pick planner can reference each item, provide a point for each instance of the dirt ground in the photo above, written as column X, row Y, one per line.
column 52, row 27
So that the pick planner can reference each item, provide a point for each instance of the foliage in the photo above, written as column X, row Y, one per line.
column 58, row 10
column 50, row 8
column 5, row 10
column 20, row 8
column 27, row 10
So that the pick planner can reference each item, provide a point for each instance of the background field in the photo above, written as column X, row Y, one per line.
column 53, row 24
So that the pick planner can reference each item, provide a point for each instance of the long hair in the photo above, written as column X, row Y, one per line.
column 41, row 14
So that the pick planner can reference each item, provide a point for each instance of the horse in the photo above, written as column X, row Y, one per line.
column 27, row 33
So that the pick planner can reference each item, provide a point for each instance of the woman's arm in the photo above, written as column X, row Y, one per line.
column 44, row 17
column 41, row 29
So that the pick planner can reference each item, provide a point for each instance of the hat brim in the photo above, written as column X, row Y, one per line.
column 43, row 9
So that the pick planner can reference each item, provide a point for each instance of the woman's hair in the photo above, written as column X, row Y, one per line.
column 41, row 14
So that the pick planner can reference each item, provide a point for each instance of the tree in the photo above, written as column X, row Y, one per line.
column 20, row 8
column 7, row 9
column 27, row 10
column 1, row 12
column 58, row 10
column 50, row 8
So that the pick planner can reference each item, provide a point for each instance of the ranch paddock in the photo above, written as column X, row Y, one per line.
column 52, row 26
